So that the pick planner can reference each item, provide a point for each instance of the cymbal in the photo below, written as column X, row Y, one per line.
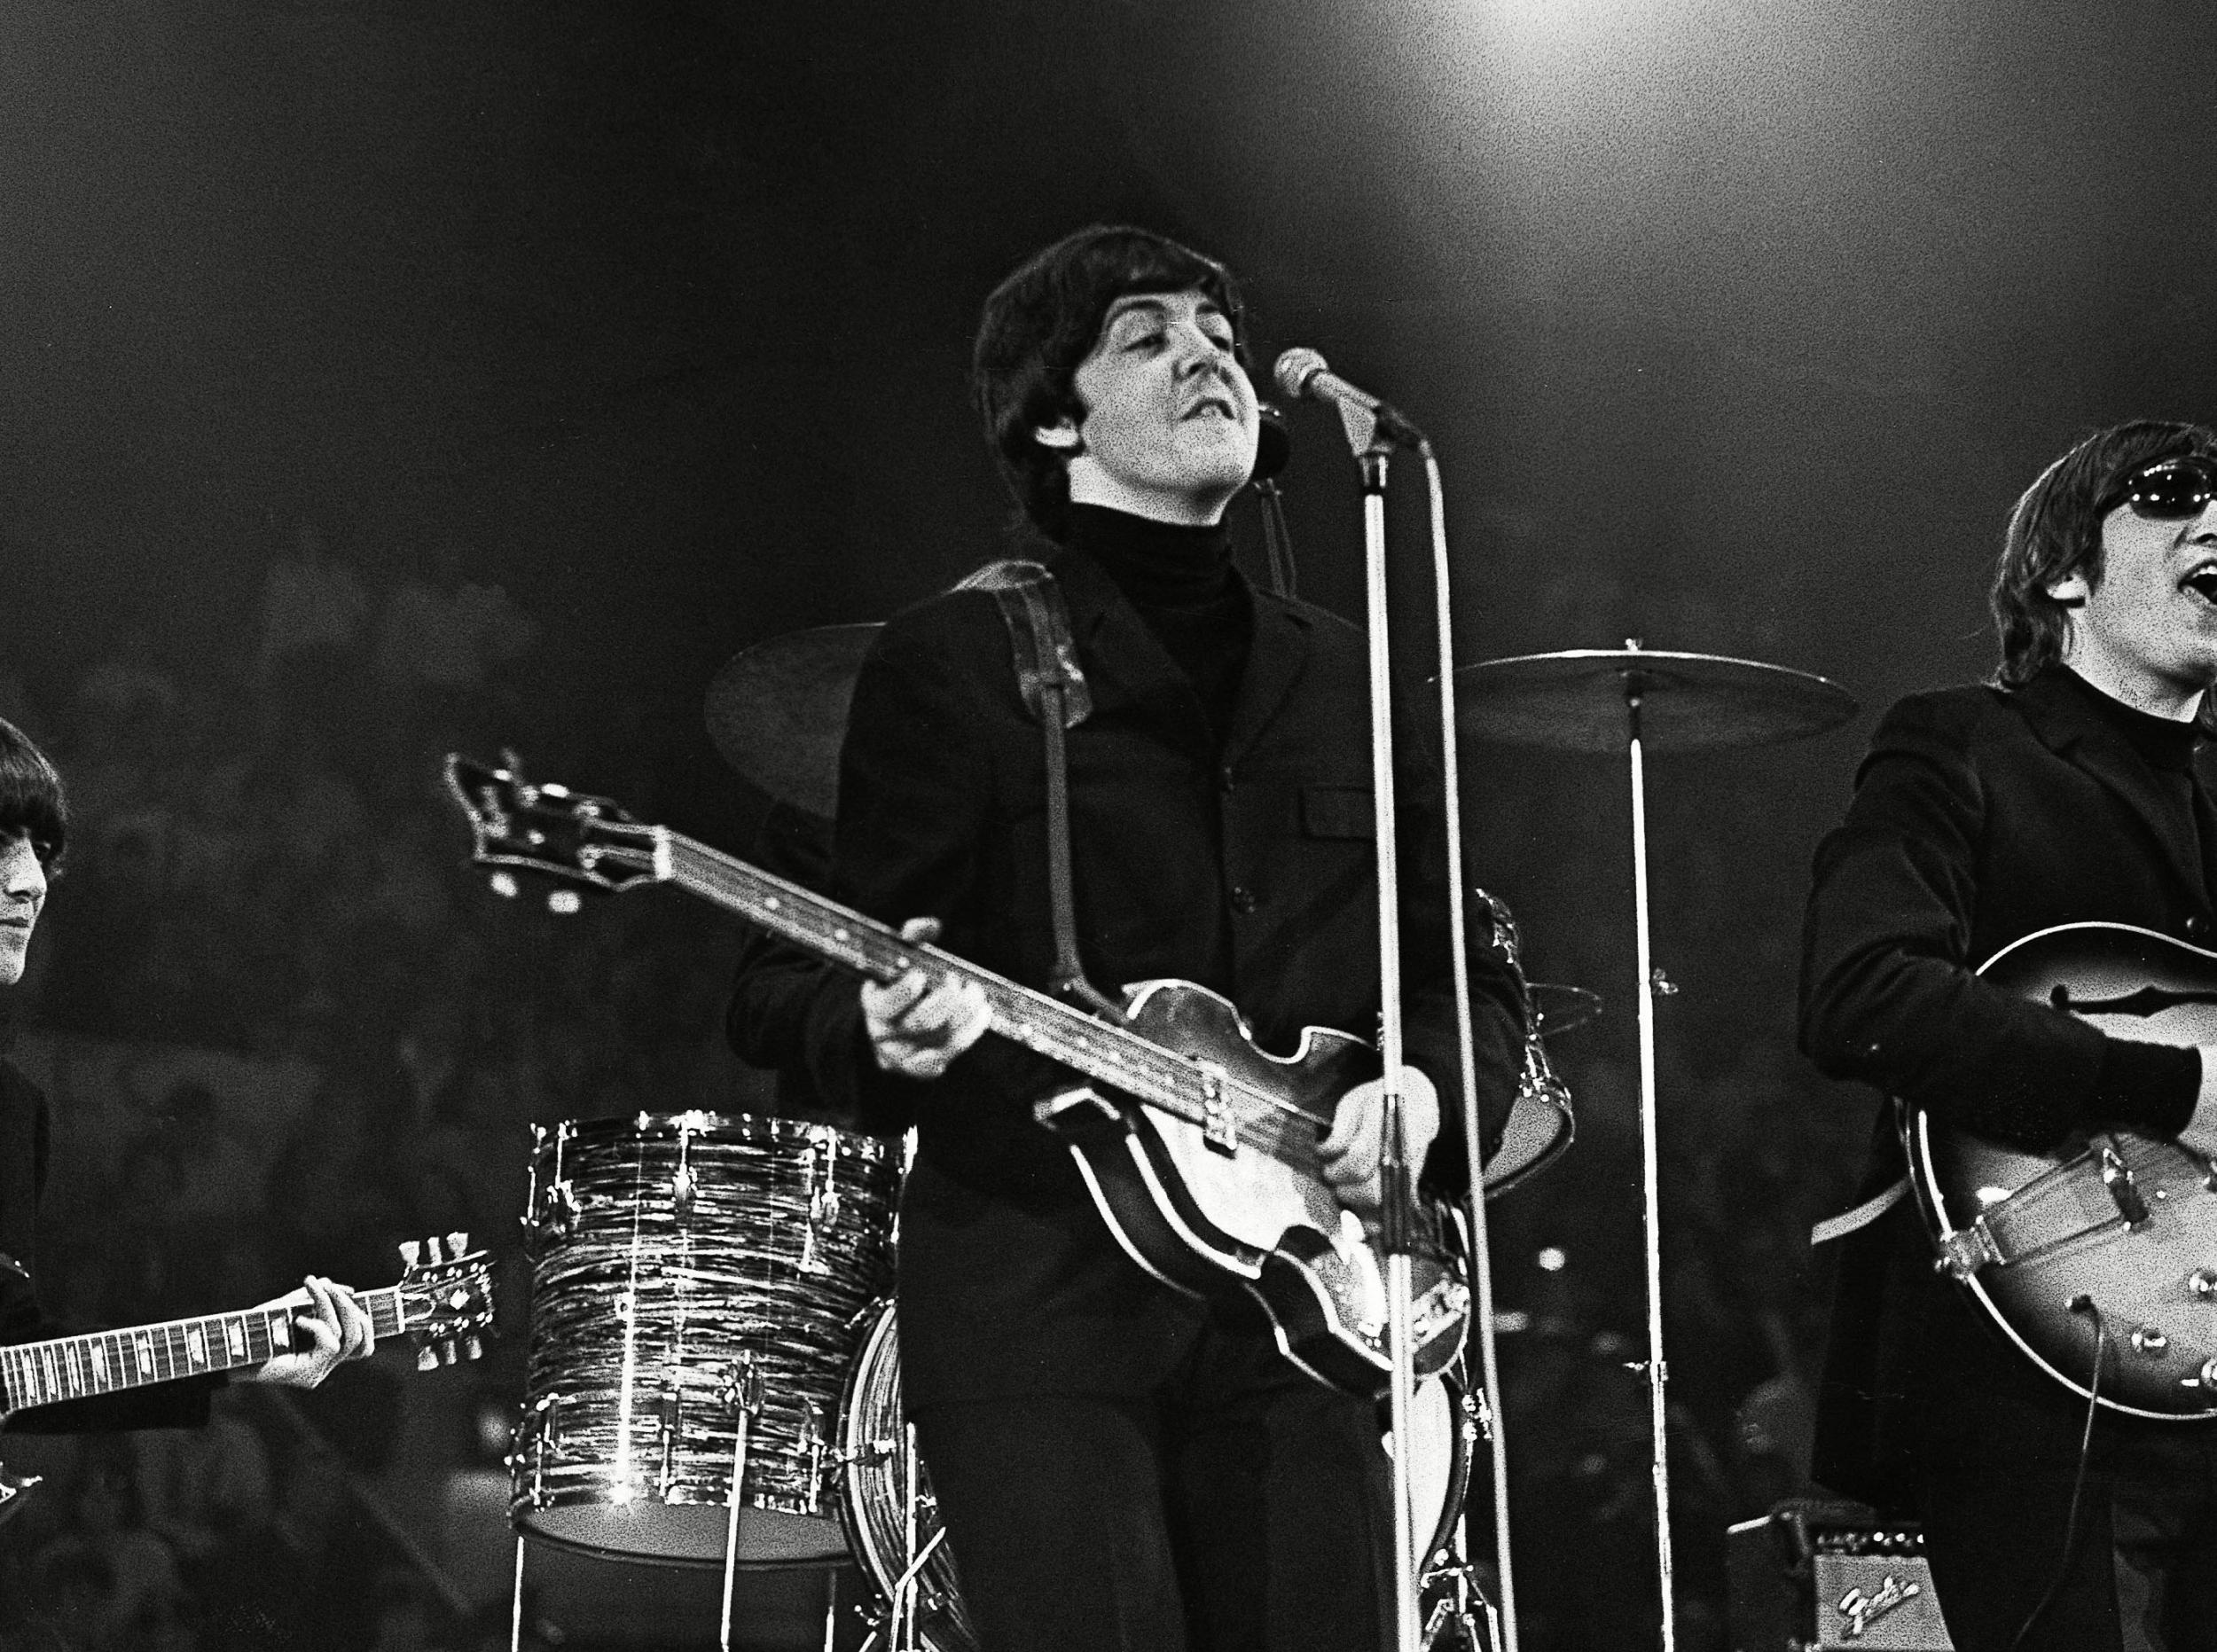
column 778, row 711
column 1576, row 701
column 1557, row 1008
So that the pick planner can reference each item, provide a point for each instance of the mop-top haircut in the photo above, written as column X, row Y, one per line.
column 1041, row 323
column 31, row 800
column 2055, row 531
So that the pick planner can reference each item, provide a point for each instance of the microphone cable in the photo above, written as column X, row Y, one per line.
column 1272, row 453
column 2086, row 1305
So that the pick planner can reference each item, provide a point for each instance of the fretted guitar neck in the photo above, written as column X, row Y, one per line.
column 108, row 1362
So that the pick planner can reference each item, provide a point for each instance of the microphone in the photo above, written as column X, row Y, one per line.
column 1301, row 372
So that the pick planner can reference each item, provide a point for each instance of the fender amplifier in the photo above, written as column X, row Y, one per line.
column 1811, row 1577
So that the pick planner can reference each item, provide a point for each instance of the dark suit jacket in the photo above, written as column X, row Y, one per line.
column 1979, row 816
column 1250, row 870
column 23, row 1147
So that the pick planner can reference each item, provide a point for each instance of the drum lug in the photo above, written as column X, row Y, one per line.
column 821, row 1187
column 553, row 1217
column 1477, row 1416
column 813, row 1443
column 684, row 1185
column 742, row 1388
column 536, row 1438
column 672, row 1423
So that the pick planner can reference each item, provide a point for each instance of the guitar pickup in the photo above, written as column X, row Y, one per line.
column 1218, row 1129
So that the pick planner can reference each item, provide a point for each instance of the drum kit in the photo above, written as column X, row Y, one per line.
column 713, row 1371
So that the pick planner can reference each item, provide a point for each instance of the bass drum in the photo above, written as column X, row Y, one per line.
column 690, row 1272
column 885, row 1481
column 890, row 1513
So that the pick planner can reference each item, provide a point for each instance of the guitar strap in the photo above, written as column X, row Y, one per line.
column 1054, row 691
column 1862, row 1216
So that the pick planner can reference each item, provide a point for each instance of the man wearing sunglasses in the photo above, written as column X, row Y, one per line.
column 2070, row 789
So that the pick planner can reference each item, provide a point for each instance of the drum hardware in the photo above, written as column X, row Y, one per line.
column 823, row 1201
column 742, row 1395
column 903, row 1612
column 1541, row 1122
column 681, row 1181
column 672, row 1408
column 1631, row 700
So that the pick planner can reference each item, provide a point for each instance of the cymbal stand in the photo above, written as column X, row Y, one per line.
column 1654, row 1369
column 743, row 1396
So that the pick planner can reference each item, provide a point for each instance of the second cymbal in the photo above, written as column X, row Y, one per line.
column 1580, row 700
column 778, row 711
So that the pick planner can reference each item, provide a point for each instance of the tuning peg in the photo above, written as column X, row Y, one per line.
column 427, row 1358
column 474, row 1346
column 409, row 1253
column 431, row 1248
column 564, row 902
column 446, row 1351
column 456, row 1243
column 503, row 884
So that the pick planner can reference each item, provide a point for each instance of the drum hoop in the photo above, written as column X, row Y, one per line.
column 1461, row 1455
column 710, row 1127
column 852, row 1513
column 1563, row 1130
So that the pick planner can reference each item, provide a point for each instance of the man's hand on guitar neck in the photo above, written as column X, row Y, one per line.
column 1354, row 1150
column 338, row 1325
column 919, row 1023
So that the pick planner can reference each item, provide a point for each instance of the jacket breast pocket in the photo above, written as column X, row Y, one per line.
column 1344, row 811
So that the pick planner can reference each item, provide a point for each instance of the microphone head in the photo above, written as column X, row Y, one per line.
column 1296, row 367
column 1273, row 446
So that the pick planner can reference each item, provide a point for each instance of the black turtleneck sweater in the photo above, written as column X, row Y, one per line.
column 1183, row 583
column 2154, row 1085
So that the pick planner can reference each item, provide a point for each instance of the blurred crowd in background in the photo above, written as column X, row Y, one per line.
column 285, row 1026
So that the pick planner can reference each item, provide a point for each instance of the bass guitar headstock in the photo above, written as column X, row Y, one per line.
column 446, row 1299
column 550, row 829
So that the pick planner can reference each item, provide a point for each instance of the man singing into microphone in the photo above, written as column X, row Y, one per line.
column 2074, row 788
column 1120, row 1466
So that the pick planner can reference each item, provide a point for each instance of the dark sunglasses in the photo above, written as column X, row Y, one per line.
column 2169, row 490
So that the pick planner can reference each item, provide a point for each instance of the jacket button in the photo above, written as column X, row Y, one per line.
column 1243, row 899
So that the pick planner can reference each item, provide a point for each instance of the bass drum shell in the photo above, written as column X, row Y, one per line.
column 880, row 1460
column 686, row 1267
column 884, row 1479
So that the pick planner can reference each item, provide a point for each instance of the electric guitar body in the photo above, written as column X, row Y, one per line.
column 1227, row 1224
column 2110, row 1239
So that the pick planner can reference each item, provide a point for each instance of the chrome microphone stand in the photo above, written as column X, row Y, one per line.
column 1372, row 452
column 1393, row 1159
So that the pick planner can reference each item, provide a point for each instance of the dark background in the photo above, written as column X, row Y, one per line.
column 378, row 376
